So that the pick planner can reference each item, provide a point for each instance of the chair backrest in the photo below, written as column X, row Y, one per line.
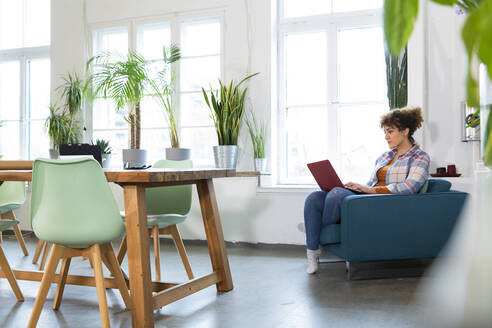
column 72, row 204
column 438, row 185
column 12, row 193
column 169, row 200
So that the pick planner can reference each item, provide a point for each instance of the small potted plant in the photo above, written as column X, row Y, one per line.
column 105, row 151
column 227, row 110
column 164, row 86
column 256, row 131
column 58, row 124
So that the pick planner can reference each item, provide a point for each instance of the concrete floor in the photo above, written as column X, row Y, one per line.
column 271, row 289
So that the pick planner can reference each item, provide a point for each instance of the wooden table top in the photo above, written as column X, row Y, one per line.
column 21, row 171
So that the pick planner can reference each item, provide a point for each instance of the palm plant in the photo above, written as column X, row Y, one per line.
column 58, row 126
column 227, row 110
column 164, row 87
column 256, row 131
column 124, row 79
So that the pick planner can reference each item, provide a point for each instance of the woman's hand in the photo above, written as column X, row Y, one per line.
column 359, row 187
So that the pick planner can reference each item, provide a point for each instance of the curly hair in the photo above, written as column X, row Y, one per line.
column 410, row 117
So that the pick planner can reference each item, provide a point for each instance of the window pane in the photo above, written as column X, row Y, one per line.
column 104, row 115
column 113, row 39
column 153, row 115
column 306, row 140
column 201, row 141
column 199, row 72
column 305, row 66
column 39, row 141
column 155, row 141
column 10, row 146
column 151, row 38
column 293, row 8
column 11, row 26
column 118, row 140
column 10, row 90
column 199, row 38
column 38, row 92
column 352, row 5
column 361, row 141
column 362, row 70
column 37, row 23
column 194, row 110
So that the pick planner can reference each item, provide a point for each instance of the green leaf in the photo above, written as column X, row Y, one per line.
column 399, row 18
column 445, row 2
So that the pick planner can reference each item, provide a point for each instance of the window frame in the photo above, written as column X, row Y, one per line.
column 174, row 21
column 329, row 24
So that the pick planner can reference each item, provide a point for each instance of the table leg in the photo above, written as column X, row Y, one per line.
column 215, row 236
column 138, row 256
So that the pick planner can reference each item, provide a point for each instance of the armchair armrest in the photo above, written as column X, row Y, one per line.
column 379, row 227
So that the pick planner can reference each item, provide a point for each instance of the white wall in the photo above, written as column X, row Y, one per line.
column 271, row 217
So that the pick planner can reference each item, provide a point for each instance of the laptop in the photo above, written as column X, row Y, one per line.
column 326, row 176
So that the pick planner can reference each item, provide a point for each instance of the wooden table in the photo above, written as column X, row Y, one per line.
column 142, row 287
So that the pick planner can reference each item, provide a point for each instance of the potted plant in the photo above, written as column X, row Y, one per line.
column 124, row 79
column 58, row 124
column 256, row 131
column 73, row 91
column 164, row 86
column 227, row 110
column 105, row 151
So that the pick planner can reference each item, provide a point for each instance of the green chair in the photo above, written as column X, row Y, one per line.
column 166, row 207
column 4, row 264
column 73, row 208
column 12, row 197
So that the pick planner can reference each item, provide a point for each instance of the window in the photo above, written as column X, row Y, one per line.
column 200, row 66
column 332, row 88
column 24, row 78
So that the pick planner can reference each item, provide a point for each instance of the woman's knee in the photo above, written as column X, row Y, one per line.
column 314, row 198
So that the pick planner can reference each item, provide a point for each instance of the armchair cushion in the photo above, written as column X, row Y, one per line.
column 330, row 234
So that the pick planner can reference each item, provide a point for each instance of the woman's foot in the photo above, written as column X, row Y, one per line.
column 312, row 257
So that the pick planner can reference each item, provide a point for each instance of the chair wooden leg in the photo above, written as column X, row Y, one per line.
column 5, row 267
column 157, row 252
column 114, row 267
column 121, row 251
column 178, row 242
column 37, row 252
column 48, row 277
column 11, row 216
column 44, row 255
column 61, row 285
column 101, row 292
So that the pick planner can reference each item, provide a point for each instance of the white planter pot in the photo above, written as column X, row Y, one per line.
column 106, row 160
column 260, row 164
column 178, row 154
column 226, row 156
column 134, row 158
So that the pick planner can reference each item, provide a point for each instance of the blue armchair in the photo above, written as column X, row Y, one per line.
column 389, row 227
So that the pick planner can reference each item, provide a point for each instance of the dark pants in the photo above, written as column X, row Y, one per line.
column 320, row 209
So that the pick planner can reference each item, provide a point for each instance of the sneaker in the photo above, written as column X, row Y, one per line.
column 301, row 227
column 313, row 257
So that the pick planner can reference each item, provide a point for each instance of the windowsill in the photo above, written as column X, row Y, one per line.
column 287, row 189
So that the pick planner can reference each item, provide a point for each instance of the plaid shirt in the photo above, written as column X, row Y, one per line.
column 407, row 175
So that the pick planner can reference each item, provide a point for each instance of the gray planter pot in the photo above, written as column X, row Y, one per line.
column 106, row 160
column 134, row 158
column 54, row 153
column 226, row 156
column 260, row 164
column 178, row 154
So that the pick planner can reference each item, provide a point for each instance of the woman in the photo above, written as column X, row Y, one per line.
column 402, row 170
